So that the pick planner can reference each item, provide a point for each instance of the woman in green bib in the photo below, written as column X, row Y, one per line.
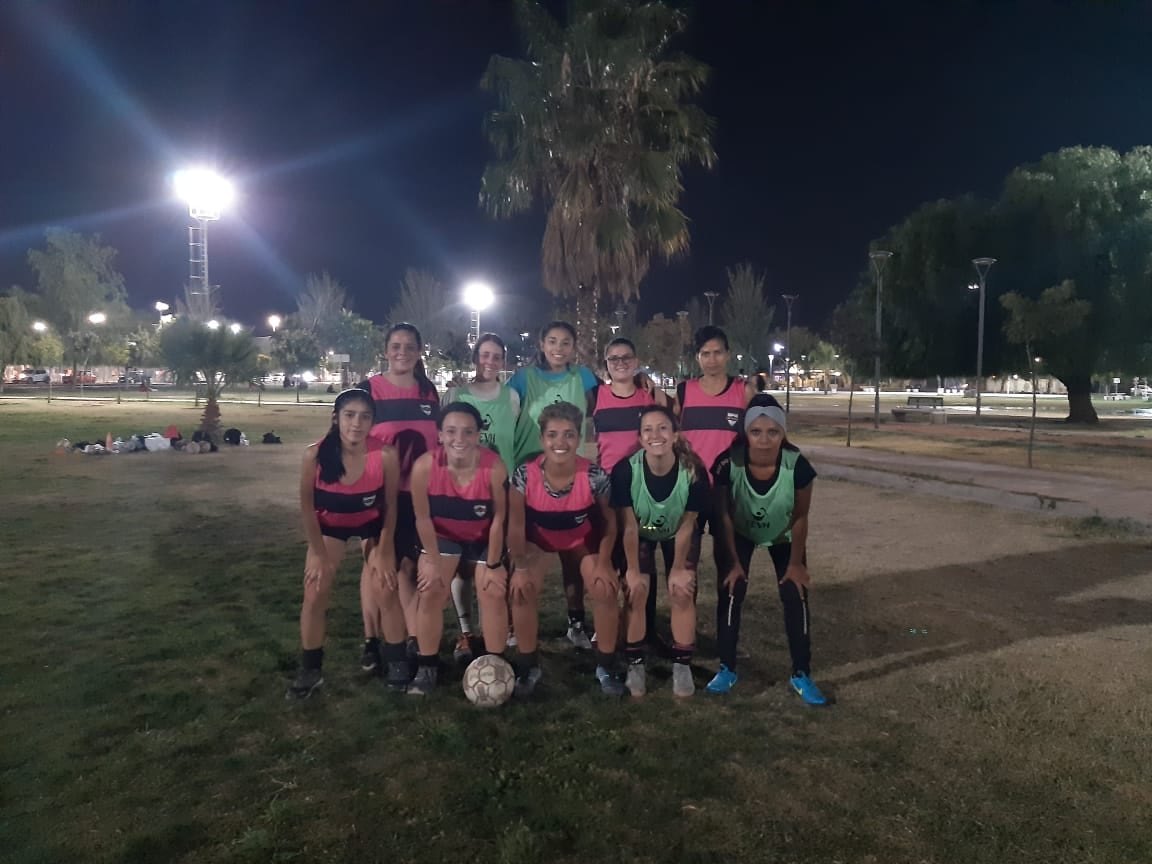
column 658, row 494
column 763, row 490
column 498, row 405
column 555, row 377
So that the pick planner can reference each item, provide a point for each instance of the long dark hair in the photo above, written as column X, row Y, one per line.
column 690, row 463
column 541, row 360
column 418, row 371
column 763, row 400
column 330, row 455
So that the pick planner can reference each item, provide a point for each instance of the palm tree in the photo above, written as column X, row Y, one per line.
column 597, row 124
column 219, row 355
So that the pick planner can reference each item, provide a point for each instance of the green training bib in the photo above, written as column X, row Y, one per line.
column 763, row 519
column 498, row 423
column 540, row 392
column 658, row 520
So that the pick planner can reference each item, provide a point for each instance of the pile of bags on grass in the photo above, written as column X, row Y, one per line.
column 169, row 439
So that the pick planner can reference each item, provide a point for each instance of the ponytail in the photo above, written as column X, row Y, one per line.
column 330, row 456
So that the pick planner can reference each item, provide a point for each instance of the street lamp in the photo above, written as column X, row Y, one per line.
column 274, row 322
column 96, row 318
column 477, row 297
column 879, row 262
column 982, row 266
column 710, row 296
column 213, row 324
column 776, row 349
column 206, row 193
column 236, row 328
column 789, row 299
column 39, row 326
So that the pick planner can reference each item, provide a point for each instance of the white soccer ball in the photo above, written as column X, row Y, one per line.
column 489, row 681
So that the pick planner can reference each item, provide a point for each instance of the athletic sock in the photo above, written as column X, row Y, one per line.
column 526, row 661
column 395, row 652
column 606, row 659
column 429, row 660
column 312, row 658
column 465, row 624
column 373, row 643
column 682, row 653
column 634, row 652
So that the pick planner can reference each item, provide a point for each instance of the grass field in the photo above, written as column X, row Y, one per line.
column 148, row 629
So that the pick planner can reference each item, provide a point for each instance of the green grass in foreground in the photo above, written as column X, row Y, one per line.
column 149, row 628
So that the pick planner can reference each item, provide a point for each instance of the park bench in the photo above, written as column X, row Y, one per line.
column 930, row 408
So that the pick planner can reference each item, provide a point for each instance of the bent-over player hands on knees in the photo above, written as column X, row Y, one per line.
column 348, row 486
column 763, row 493
column 559, row 505
column 659, row 494
column 459, row 501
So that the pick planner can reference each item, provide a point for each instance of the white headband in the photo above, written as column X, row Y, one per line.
column 773, row 412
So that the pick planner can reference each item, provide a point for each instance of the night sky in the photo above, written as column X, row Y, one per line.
column 354, row 132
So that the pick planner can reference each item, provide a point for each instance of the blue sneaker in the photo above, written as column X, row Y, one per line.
column 723, row 682
column 807, row 690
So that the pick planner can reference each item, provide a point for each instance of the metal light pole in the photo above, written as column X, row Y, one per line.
column 478, row 297
column 789, row 299
column 710, row 296
column 879, row 261
column 206, row 193
column 982, row 266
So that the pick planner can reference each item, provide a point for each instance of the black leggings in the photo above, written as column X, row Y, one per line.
column 795, row 601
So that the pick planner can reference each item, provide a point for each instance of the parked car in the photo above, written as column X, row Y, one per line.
column 134, row 376
column 87, row 376
column 33, row 376
column 1142, row 391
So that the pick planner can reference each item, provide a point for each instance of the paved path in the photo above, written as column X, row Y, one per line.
column 1068, row 495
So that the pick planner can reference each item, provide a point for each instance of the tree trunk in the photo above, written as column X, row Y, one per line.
column 210, row 419
column 1080, row 408
column 851, row 391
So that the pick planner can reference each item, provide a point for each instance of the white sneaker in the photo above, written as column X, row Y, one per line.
column 682, row 684
column 578, row 637
column 636, row 680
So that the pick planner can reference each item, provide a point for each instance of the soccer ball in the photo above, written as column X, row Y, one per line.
column 489, row 681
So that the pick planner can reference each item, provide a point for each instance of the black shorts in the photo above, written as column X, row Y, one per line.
column 369, row 531
column 469, row 553
column 407, row 540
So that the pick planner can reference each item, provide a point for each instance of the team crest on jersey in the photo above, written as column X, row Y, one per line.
column 559, row 398
column 580, row 517
column 486, row 422
column 759, row 514
column 481, row 510
column 369, row 500
column 733, row 416
column 427, row 409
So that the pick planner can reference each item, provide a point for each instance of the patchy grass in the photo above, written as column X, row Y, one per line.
column 149, row 629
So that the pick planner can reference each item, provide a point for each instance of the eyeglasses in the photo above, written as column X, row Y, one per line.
column 617, row 359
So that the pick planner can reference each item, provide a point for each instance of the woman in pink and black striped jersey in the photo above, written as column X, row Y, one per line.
column 407, row 408
column 711, row 408
column 618, row 404
column 348, row 486
column 459, row 494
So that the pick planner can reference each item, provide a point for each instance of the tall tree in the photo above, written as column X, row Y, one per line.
column 361, row 340
column 598, row 124
column 424, row 301
column 16, row 333
column 218, row 355
column 75, row 276
column 1082, row 214
column 320, row 305
column 296, row 351
column 854, row 336
column 746, row 315
column 660, row 345
column 1039, row 326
